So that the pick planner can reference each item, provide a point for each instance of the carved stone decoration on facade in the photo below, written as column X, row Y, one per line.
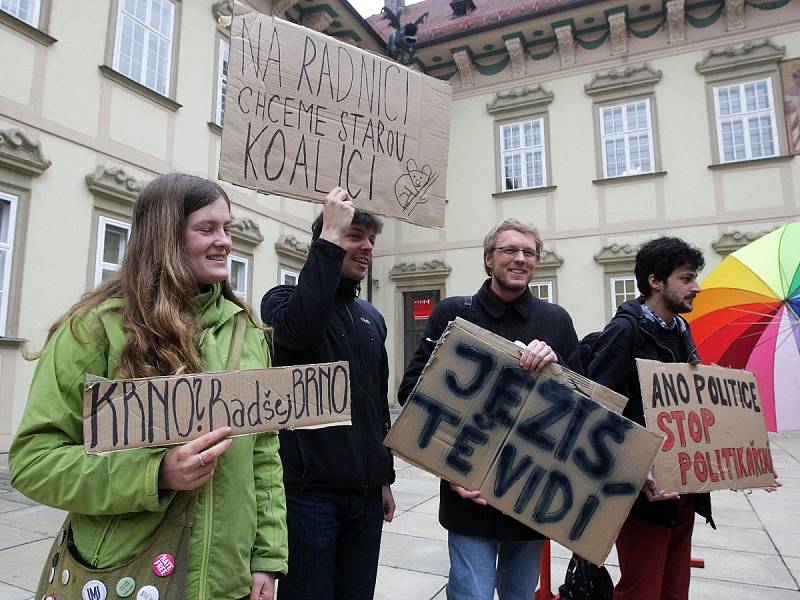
column 223, row 8
column 734, row 57
column 676, row 20
column 519, row 98
column 279, row 7
column 619, row 34
column 566, row 45
column 549, row 260
column 288, row 246
column 733, row 240
column 617, row 254
column 114, row 183
column 734, row 11
column 246, row 231
column 21, row 153
column 318, row 21
column 516, row 52
column 466, row 69
column 621, row 79
column 420, row 271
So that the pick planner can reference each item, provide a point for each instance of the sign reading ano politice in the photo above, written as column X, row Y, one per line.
column 158, row 411
column 305, row 113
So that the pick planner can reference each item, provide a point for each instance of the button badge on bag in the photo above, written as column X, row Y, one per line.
column 125, row 587
column 164, row 565
column 60, row 538
column 148, row 592
column 51, row 576
column 64, row 577
column 94, row 590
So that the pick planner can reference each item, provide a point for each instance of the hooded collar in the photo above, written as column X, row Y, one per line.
column 348, row 289
column 496, row 307
column 212, row 307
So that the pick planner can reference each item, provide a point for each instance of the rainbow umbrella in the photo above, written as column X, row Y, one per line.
column 748, row 317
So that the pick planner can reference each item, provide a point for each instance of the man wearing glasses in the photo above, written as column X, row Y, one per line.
column 489, row 550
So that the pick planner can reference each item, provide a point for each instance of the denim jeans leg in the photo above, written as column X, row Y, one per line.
column 518, row 565
column 313, row 527
column 359, row 546
column 472, row 567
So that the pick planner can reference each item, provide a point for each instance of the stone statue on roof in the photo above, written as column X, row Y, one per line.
column 402, row 41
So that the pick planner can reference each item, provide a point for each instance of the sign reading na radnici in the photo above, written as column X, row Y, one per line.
column 305, row 113
column 716, row 437
column 540, row 447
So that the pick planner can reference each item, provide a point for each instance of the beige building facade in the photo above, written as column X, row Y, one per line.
column 603, row 123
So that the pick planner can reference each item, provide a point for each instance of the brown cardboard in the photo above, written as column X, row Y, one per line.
column 161, row 411
column 305, row 112
column 716, row 437
column 506, row 432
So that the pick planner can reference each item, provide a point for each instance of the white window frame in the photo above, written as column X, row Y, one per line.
column 243, row 260
column 542, row 283
column 223, row 53
column 612, row 281
column 521, row 153
column 149, row 34
column 100, row 265
column 8, row 248
column 744, row 117
column 291, row 273
column 625, row 136
column 12, row 7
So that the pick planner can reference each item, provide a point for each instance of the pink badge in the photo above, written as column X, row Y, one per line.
column 164, row 565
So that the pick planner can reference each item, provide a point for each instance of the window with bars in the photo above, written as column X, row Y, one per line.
column 622, row 289
column 112, row 241
column 542, row 290
column 238, row 267
column 522, row 148
column 746, row 125
column 143, row 44
column 222, row 81
column 24, row 10
column 8, row 212
column 626, row 138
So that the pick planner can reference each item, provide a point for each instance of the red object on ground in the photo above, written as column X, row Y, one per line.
column 544, row 593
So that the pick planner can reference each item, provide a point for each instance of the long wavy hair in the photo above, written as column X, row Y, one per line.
column 157, row 288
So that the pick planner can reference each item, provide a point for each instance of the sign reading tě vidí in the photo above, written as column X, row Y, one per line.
column 716, row 437
column 537, row 449
column 159, row 411
column 305, row 113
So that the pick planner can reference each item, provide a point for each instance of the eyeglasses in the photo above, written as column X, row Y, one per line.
column 512, row 251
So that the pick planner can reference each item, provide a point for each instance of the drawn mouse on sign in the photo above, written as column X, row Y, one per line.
column 411, row 187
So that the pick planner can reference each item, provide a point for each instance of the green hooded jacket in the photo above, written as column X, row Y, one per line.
column 240, row 518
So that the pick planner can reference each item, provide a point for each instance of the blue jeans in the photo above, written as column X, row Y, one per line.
column 479, row 565
column 334, row 542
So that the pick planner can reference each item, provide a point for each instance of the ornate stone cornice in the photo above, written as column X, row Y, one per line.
column 223, row 8
column 566, row 45
column 520, row 98
column 114, row 183
column 733, row 240
column 619, row 33
column 432, row 269
column 676, row 20
column 622, row 79
column 734, row 12
column 549, row 260
column 465, row 68
column 617, row 254
column 288, row 246
column 516, row 51
column 734, row 57
column 279, row 7
column 318, row 21
column 246, row 231
column 19, row 152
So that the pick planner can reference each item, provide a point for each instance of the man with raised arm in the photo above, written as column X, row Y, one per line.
column 337, row 479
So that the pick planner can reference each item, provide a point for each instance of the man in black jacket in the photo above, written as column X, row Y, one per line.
column 337, row 478
column 489, row 550
column 654, row 544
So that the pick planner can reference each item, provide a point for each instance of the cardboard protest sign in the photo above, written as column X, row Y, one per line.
column 716, row 434
column 537, row 449
column 305, row 112
column 159, row 411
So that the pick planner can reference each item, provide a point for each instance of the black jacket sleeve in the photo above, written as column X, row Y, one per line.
column 612, row 354
column 300, row 314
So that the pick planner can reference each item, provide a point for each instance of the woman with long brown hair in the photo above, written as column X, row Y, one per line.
column 169, row 310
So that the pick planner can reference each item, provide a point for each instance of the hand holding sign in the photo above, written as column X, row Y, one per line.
column 189, row 466
column 474, row 495
column 653, row 494
column 536, row 356
column 337, row 215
